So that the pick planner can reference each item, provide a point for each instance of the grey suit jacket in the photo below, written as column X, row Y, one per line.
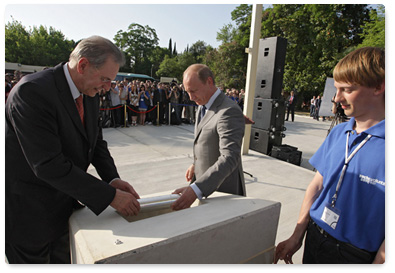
column 217, row 148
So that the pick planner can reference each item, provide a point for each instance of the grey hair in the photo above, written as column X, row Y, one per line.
column 97, row 50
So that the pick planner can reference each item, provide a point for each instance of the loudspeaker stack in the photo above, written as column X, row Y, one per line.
column 269, row 105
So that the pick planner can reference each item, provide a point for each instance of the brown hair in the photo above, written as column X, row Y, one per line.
column 364, row 66
column 203, row 72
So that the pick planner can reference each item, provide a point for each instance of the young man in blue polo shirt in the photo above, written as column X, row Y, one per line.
column 343, row 211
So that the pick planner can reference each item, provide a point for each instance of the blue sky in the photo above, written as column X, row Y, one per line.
column 183, row 23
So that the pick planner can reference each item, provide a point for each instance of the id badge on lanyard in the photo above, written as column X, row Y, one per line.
column 331, row 214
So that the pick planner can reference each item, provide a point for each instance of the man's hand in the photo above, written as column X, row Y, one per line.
column 125, row 200
column 190, row 172
column 188, row 196
column 286, row 249
column 124, row 186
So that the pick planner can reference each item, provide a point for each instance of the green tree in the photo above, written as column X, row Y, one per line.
column 137, row 42
column 226, row 34
column 156, row 57
column 170, row 48
column 16, row 42
column 169, row 68
column 317, row 35
column 227, row 64
column 175, row 66
column 49, row 46
column 242, row 16
column 184, row 60
column 198, row 50
column 175, row 49
column 374, row 30
column 38, row 46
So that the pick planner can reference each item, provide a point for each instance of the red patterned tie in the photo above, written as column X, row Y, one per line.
column 80, row 107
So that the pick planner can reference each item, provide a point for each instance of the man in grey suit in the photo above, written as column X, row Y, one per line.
column 219, row 131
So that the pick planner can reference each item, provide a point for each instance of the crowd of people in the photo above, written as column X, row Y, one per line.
column 315, row 105
column 142, row 99
column 135, row 102
column 11, row 80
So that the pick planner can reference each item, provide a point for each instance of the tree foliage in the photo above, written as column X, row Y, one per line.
column 138, row 43
column 37, row 46
column 318, row 36
column 228, row 65
column 374, row 30
column 175, row 65
column 226, row 34
column 198, row 50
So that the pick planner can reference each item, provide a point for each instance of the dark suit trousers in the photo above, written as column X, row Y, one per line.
column 292, row 110
column 56, row 252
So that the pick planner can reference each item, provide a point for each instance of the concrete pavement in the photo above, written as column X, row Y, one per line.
column 154, row 159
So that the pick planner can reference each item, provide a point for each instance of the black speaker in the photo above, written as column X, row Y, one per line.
column 270, row 68
column 269, row 114
column 287, row 153
column 263, row 141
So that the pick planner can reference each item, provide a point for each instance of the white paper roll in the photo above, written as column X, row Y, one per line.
column 158, row 198
column 157, row 202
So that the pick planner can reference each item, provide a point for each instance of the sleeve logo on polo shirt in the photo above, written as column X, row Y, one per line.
column 372, row 181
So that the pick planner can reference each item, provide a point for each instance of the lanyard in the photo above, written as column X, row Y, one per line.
column 347, row 159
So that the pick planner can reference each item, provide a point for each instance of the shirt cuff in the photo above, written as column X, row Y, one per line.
column 197, row 191
column 113, row 180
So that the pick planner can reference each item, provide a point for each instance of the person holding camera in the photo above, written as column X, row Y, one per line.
column 174, row 101
column 143, row 105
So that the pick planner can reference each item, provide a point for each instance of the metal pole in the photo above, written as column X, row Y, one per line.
column 157, row 113
column 251, row 71
column 169, row 112
column 125, row 115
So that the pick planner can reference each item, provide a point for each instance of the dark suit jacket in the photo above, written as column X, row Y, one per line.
column 217, row 148
column 293, row 104
column 47, row 153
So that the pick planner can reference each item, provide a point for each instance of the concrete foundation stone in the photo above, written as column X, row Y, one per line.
column 222, row 229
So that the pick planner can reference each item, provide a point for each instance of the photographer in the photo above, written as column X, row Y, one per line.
column 338, row 111
column 143, row 105
column 174, row 96
column 115, row 102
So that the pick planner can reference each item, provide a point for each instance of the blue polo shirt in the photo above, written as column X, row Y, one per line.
column 361, row 198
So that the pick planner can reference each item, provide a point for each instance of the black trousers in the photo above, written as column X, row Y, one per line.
column 321, row 248
column 291, row 109
column 56, row 252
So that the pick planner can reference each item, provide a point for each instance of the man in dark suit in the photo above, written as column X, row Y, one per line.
column 218, row 138
column 52, row 135
column 291, row 102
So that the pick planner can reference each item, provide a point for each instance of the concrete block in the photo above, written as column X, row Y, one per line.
column 222, row 229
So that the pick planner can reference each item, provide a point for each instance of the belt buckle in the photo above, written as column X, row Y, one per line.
column 321, row 230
